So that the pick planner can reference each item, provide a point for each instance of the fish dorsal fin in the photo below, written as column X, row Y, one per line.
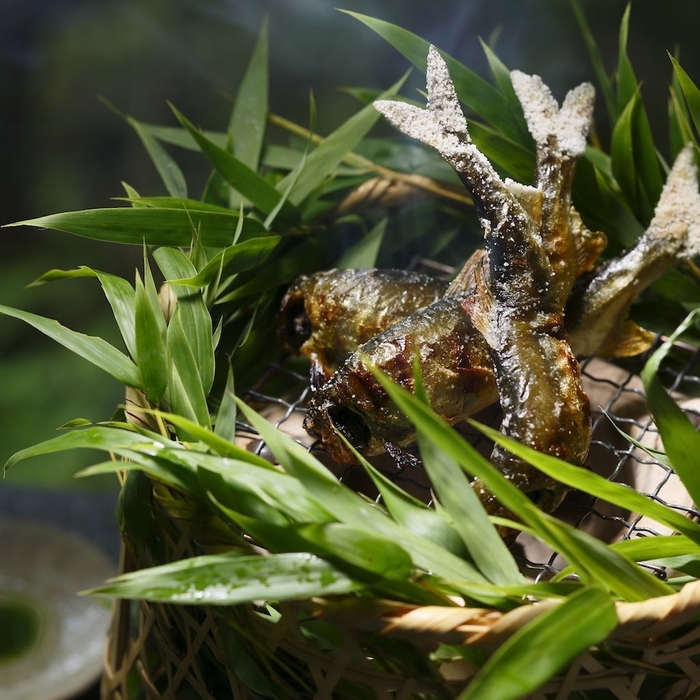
column 530, row 198
column 465, row 280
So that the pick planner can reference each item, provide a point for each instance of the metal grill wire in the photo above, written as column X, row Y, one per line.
column 618, row 407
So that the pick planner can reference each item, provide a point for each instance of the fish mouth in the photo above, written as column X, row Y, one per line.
column 329, row 424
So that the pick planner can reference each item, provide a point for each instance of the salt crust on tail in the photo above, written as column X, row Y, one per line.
column 568, row 125
column 677, row 213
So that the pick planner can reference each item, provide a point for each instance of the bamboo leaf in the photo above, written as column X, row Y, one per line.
column 594, row 561
column 480, row 97
column 680, row 437
column 167, row 168
column 225, row 424
column 364, row 253
column 232, row 579
column 170, row 227
column 151, row 353
column 690, row 92
column 175, row 203
column 486, row 547
column 319, row 164
column 232, row 260
column 589, row 482
column 192, row 314
column 626, row 79
column 243, row 179
column 544, row 646
column 187, row 394
column 350, row 508
column 596, row 61
column 93, row 349
column 249, row 116
column 119, row 294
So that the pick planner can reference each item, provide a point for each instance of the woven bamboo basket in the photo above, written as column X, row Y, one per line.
column 387, row 650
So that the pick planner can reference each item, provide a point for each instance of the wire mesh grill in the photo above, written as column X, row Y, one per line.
column 619, row 412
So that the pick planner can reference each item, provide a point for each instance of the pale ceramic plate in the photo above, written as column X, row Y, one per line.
column 43, row 569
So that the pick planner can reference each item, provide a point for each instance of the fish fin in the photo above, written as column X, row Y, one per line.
column 568, row 125
column 465, row 280
column 588, row 245
column 627, row 340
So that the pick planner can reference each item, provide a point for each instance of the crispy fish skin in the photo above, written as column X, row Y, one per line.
column 456, row 373
column 328, row 315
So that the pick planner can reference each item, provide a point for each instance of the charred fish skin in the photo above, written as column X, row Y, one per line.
column 328, row 315
column 454, row 365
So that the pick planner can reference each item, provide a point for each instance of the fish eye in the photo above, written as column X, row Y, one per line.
column 352, row 426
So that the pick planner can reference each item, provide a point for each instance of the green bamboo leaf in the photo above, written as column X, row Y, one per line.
column 411, row 513
column 500, row 71
column 326, row 156
column 93, row 438
column 192, row 315
column 91, row 348
column 188, row 397
column 480, row 97
column 175, row 203
column 249, row 116
column 167, row 168
column 544, row 646
column 232, row 579
column 350, row 508
column 170, row 227
column 225, row 424
column 589, row 482
column 514, row 159
column 232, row 260
column 594, row 561
column 364, row 253
column 178, row 136
column 596, row 61
column 626, row 79
column 487, row 549
column 680, row 437
column 151, row 354
column 119, row 294
column 622, row 150
column 243, row 179
column 134, row 508
column 679, row 121
column 690, row 91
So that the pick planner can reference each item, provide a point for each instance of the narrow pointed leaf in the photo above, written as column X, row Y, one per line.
column 119, row 293
column 192, row 313
column 151, row 352
column 232, row 260
column 680, row 437
column 478, row 95
column 320, row 163
column 93, row 349
column 173, row 227
column 364, row 253
column 176, row 203
column 225, row 424
column 167, row 168
column 690, row 92
column 249, row 116
column 231, row 579
column 594, row 561
column 350, row 508
column 243, row 179
column 544, row 646
column 187, row 394
column 626, row 79
column 589, row 482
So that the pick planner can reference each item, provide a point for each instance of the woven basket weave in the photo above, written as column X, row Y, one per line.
column 382, row 649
